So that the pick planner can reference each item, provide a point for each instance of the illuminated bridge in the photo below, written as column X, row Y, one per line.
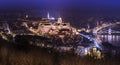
column 109, row 31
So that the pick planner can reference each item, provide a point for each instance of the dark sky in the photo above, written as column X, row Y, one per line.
column 79, row 11
column 76, row 10
column 61, row 6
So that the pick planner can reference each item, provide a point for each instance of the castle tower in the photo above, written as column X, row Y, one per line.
column 60, row 20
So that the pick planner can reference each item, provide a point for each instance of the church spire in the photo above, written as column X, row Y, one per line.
column 48, row 15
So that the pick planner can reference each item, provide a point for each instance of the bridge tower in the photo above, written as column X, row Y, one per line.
column 109, row 31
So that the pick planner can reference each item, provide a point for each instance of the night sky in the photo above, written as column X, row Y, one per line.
column 69, row 10
column 61, row 6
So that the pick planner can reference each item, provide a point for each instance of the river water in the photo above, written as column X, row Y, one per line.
column 112, row 39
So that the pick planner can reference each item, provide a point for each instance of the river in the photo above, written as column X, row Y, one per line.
column 112, row 39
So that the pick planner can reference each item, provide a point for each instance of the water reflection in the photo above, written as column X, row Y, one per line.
column 112, row 39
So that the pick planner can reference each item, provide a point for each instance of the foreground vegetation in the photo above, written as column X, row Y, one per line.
column 14, row 54
column 21, row 55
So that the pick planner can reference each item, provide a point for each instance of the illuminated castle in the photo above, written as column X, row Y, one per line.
column 54, row 27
